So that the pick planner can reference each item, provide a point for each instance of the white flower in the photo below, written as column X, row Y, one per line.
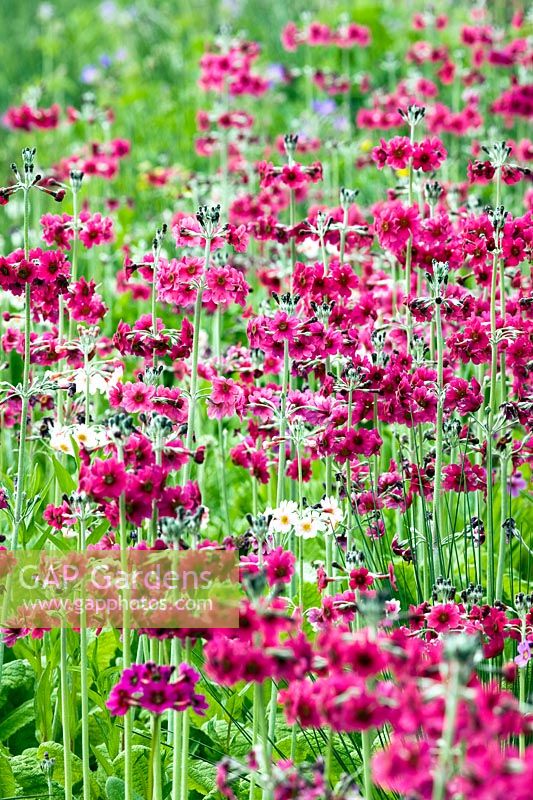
column 392, row 609
column 309, row 248
column 284, row 517
column 330, row 512
column 309, row 525
column 87, row 437
column 100, row 380
column 60, row 440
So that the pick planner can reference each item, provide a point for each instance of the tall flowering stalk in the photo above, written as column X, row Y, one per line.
column 209, row 222
column 24, row 182
column 157, row 245
column 461, row 653
column 76, row 178
column 438, row 281
column 498, row 221
column 498, row 154
column 413, row 116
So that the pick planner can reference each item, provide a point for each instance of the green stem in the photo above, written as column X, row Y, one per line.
column 343, row 235
column 504, row 513
column 452, row 701
column 292, row 217
column 74, row 269
column 65, row 711
column 221, row 441
column 84, row 682
column 329, row 754
column 194, row 365
column 283, row 423
column 21, row 460
column 21, row 464
column 504, row 502
column 126, row 642
column 177, row 731
column 263, row 728
column 255, row 727
column 272, row 713
column 155, row 787
column 409, row 250
column 301, row 542
column 493, row 402
column 522, row 695
column 185, row 737
column 367, row 759
column 436, row 525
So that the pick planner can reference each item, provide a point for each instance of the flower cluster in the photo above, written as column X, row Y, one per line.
column 156, row 689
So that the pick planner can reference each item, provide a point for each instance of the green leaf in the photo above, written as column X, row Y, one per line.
column 98, row 531
column 18, row 718
column 55, row 750
column 64, row 478
column 103, row 649
column 139, row 757
column 115, row 789
column 44, row 709
column 28, row 774
column 102, row 756
column 8, row 785
column 202, row 777
column 17, row 683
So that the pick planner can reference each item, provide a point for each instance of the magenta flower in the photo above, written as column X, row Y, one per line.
column 157, row 689
column 524, row 654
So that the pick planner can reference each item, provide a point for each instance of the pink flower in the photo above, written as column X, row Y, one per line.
column 226, row 398
column 95, row 229
column 105, row 478
column 137, row 396
column 464, row 477
column 444, row 617
column 429, row 154
column 279, row 566
column 395, row 223
column 157, row 689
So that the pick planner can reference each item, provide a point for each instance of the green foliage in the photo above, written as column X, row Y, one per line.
column 8, row 784
column 17, row 683
column 140, row 757
column 28, row 774
column 115, row 790
column 22, row 715
column 202, row 777
column 56, row 751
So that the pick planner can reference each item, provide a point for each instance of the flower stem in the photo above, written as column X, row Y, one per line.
column 221, row 442
column 74, row 269
column 263, row 727
column 492, row 408
column 185, row 737
column 65, row 711
column 126, row 642
column 504, row 501
column 177, row 732
column 367, row 771
column 194, row 365
column 21, row 463
column 283, row 424
column 436, row 525
column 522, row 694
column 84, row 683
column 155, row 788
column 452, row 701
column 301, row 542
